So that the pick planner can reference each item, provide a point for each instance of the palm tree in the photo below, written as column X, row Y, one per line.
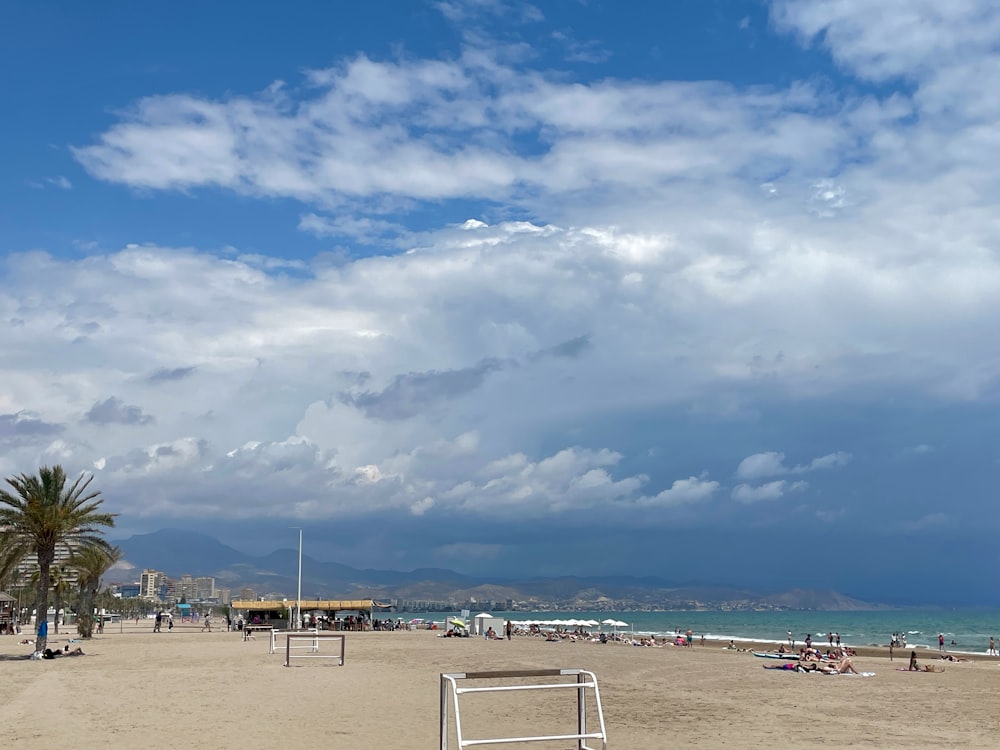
column 91, row 563
column 60, row 580
column 42, row 516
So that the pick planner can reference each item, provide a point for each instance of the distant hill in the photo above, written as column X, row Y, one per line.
column 176, row 552
column 184, row 552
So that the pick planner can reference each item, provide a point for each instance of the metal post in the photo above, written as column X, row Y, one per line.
column 444, row 714
column 298, row 599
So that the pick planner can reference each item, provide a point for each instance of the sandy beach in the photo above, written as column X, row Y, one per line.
column 135, row 688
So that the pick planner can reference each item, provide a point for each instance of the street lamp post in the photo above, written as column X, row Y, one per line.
column 298, row 596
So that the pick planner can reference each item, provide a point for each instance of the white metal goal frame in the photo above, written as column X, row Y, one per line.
column 273, row 647
column 585, row 680
column 316, row 638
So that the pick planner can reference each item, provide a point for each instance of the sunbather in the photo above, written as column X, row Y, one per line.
column 844, row 666
column 789, row 666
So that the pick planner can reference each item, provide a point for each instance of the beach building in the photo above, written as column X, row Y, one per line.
column 6, row 613
column 484, row 621
column 334, row 613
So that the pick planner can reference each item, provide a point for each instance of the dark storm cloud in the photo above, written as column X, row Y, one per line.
column 570, row 349
column 410, row 394
column 115, row 411
column 166, row 375
column 22, row 425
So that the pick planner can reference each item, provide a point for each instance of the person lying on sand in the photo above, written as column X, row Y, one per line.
column 844, row 666
column 50, row 654
column 951, row 657
column 790, row 667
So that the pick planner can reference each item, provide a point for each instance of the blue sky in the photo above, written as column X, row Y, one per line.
column 703, row 290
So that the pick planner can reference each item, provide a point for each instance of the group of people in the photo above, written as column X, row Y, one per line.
column 843, row 665
column 832, row 638
column 168, row 618
column 158, row 622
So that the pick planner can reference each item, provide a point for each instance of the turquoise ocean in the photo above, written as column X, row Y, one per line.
column 970, row 630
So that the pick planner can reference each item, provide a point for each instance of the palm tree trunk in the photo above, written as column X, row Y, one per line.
column 57, row 603
column 42, row 599
column 85, row 613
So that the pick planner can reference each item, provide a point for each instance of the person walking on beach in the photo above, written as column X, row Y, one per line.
column 208, row 623
column 157, row 622
column 993, row 647
column 508, row 629
column 940, row 641
column 791, row 641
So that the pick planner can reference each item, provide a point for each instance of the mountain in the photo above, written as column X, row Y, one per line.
column 183, row 552
column 176, row 552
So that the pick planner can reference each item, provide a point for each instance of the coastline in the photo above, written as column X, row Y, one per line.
column 859, row 629
column 135, row 686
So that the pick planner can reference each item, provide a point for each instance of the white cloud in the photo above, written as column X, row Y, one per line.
column 829, row 461
column 929, row 522
column 685, row 491
column 906, row 38
column 772, row 463
column 759, row 465
column 744, row 493
column 431, row 130
column 60, row 181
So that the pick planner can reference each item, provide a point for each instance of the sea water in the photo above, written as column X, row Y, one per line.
column 970, row 630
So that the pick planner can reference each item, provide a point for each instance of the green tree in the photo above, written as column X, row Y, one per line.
column 41, row 516
column 91, row 563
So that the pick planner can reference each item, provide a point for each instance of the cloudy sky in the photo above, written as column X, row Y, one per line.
column 698, row 289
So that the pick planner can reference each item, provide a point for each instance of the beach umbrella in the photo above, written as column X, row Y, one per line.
column 458, row 622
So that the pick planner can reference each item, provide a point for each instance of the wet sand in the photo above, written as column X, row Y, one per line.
column 136, row 688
